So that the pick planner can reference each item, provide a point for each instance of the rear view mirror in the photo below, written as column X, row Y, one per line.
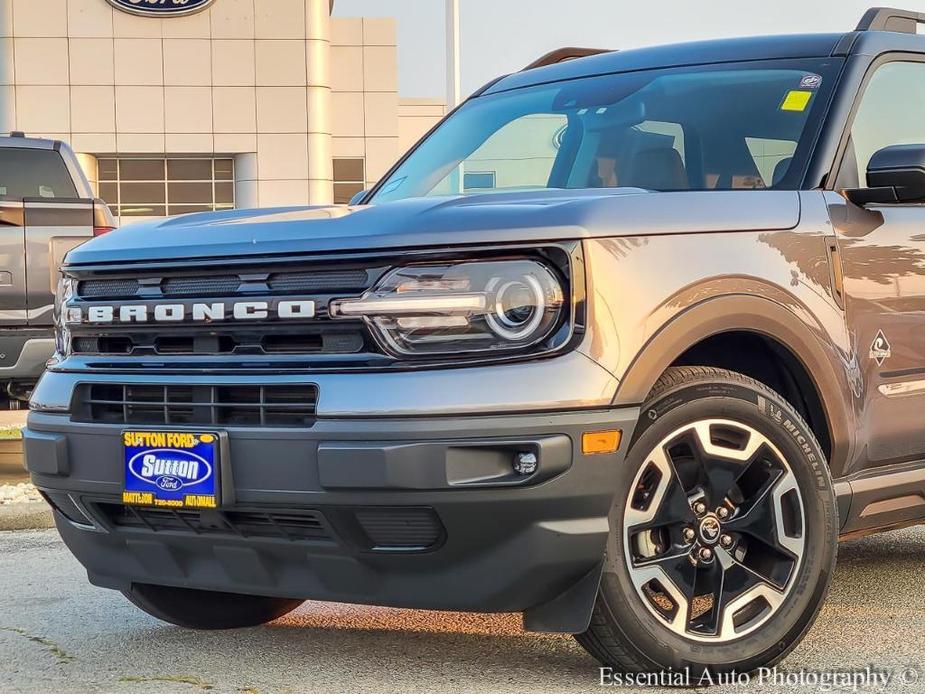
column 895, row 175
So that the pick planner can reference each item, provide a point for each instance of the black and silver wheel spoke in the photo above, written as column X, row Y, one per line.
column 722, row 459
column 714, row 530
column 658, row 496
column 659, row 503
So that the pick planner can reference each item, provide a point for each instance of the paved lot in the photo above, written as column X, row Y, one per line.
column 59, row 634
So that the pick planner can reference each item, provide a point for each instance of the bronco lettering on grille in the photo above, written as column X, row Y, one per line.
column 196, row 312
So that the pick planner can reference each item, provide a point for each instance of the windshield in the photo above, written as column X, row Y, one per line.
column 718, row 127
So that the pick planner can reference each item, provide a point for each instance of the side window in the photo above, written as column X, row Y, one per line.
column 521, row 154
column 892, row 112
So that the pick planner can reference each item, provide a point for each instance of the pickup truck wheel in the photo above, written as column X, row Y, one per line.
column 205, row 609
column 723, row 536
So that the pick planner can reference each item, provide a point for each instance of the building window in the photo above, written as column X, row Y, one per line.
column 349, row 179
column 479, row 180
column 160, row 187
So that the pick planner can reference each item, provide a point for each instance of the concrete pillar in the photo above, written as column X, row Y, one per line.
column 318, row 52
column 88, row 163
column 246, row 193
column 7, row 90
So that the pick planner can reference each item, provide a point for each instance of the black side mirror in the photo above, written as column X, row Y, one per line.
column 895, row 175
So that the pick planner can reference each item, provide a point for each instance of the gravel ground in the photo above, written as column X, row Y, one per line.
column 18, row 493
column 58, row 633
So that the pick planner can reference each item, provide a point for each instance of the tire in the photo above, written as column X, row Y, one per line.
column 205, row 609
column 775, row 543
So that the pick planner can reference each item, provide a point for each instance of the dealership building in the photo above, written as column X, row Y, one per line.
column 178, row 106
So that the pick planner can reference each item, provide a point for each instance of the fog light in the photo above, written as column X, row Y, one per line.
column 600, row 442
column 525, row 464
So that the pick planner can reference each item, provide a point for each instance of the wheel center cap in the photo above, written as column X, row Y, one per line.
column 709, row 530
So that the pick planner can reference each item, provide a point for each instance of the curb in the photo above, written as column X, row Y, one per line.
column 26, row 516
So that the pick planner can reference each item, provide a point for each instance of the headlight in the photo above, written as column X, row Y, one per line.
column 65, row 292
column 499, row 306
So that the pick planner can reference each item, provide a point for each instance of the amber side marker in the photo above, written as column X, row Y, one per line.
column 599, row 442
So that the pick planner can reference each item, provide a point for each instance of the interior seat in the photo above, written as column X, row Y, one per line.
column 783, row 166
column 656, row 168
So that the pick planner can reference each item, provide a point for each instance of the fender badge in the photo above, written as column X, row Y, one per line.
column 880, row 351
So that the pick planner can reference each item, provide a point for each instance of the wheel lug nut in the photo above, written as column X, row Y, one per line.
column 700, row 508
column 689, row 534
column 722, row 512
column 706, row 554
column 726, row 541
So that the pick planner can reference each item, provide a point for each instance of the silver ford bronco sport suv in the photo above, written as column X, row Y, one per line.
column 625, row 344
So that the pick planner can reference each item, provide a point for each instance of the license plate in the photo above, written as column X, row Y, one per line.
column 174, row 469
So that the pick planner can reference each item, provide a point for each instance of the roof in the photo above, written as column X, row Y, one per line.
column 673, row 55
column 28, row 143
column 717, row 51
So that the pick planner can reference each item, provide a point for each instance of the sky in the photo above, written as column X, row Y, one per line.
column 501, row 36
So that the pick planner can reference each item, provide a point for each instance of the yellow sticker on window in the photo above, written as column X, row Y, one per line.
column 796, row 100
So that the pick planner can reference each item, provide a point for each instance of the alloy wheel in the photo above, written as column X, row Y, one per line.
column 714, row 530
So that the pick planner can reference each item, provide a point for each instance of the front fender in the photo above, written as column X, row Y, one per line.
column 652, row 298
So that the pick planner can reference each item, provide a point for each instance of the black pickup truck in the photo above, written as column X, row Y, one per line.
column 46, row 208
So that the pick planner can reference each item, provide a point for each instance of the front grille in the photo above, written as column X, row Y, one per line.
column 298, row 526
column 200, row 286
column 317, row 336
column 317, row 281
column 226, row 285
column 307, row 340
column 104, row 289
column 234, row 405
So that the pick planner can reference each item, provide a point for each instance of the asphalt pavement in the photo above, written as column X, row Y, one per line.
column 59, row 634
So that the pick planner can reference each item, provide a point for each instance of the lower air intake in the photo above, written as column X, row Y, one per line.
column 281, row 405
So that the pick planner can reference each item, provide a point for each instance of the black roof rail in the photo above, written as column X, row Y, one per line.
column 560, row 55
column 889, row 19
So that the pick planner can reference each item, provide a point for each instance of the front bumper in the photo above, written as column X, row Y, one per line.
column 375, row 491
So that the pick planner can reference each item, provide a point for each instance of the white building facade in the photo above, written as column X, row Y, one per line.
column 246, row 103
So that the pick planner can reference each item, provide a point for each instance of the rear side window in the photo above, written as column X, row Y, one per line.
column 34, row 173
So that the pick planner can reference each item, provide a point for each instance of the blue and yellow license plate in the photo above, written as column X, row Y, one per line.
column 174, row 469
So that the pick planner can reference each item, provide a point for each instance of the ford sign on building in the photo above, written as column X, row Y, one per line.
column 161, row 7
column 179, row 106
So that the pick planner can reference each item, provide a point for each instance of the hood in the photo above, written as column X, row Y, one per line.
column 546, row 215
